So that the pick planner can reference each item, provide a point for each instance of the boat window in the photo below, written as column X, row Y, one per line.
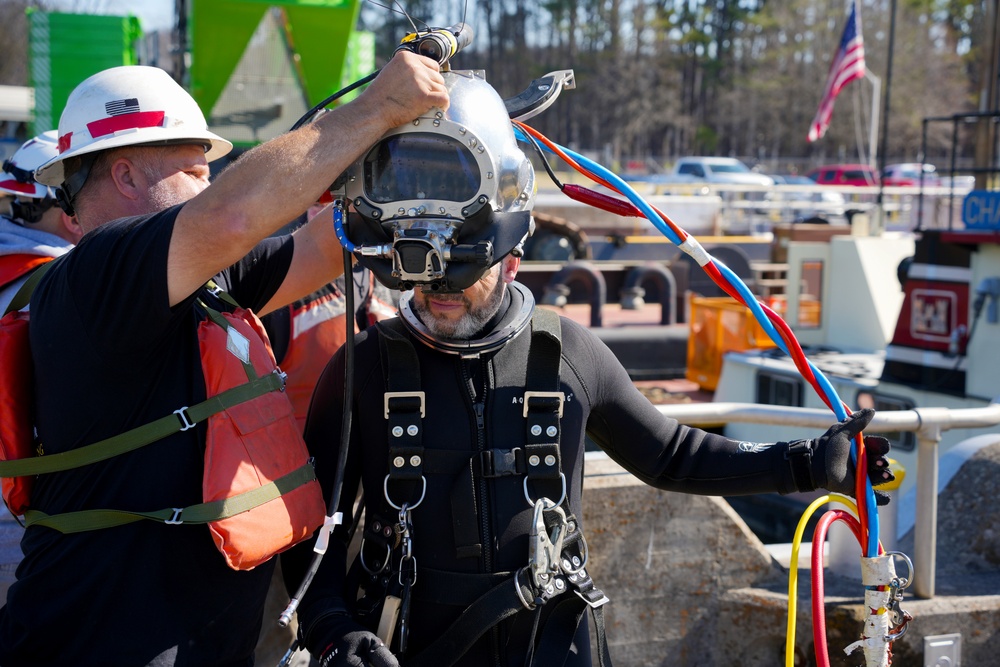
column 810, row 294
column 900, row 440
column 775, row 389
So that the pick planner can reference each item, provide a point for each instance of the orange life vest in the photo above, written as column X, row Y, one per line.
column 13, row 267
column 16, row 385
column 318, row 329
column 260, row 494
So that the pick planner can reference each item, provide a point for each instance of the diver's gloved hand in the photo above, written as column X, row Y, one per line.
column 350, row 645
column 829, row 458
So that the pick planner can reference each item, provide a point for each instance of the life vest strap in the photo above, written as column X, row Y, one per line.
column 78, row 522
column 23, row 294
column 141, row 436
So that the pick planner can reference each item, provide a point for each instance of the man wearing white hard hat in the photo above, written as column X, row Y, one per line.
column 153, row 545
column 34, row 233
column 36, row 230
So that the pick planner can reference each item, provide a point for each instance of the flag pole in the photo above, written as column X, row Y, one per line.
column 880, row 223
column 873, row 128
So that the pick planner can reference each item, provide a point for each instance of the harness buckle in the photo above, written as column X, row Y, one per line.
column 403, row 394
column 544, row 394
column 593, row 601
column 186, row 422
column 175, row 520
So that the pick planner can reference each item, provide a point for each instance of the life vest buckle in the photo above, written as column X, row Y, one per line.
column 186, row 422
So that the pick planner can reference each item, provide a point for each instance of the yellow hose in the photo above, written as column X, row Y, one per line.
column 793, row 567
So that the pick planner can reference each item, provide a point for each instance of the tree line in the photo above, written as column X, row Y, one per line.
column 657, row 79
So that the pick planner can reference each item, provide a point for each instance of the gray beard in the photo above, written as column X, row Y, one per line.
column 470, row 324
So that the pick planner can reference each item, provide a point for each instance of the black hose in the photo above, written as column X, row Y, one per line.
column 345, row 441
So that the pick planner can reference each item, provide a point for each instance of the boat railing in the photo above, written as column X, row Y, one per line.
column 927, row 423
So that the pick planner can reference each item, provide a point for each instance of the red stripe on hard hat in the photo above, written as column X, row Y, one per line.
column 18, row 186
column 65, row 141
column 128, row 121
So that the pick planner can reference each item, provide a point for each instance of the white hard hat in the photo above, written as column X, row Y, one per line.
column 127, row 106
column 18, row 172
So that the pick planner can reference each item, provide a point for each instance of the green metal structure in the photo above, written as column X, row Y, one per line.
column 64, row 49
column 256, row 65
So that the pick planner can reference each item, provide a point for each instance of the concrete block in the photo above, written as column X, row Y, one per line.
column 665, row 560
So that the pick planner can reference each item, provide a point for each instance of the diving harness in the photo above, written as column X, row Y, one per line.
column 386, row 568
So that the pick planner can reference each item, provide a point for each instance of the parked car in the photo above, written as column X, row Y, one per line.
column 844, row 174
column 908, row 174
column 823, row 196
column 718, row 170
column 724, row 170
column 798, row 205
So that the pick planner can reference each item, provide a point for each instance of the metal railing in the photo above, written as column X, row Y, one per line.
column 927, row 423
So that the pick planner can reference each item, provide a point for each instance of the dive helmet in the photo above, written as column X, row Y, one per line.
column 31, row 198
column 128, row 106
column 438, row 201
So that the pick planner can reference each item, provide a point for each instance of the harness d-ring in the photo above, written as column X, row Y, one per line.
column 527, row 494
column 423, row 492
column 385, row 564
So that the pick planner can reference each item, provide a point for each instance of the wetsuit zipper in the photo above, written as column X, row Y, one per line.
column 479, row 408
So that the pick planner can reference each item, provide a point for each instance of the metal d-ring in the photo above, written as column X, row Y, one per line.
column 527, row 494
column 906, row 581
column 385, row 564
column 423, row 492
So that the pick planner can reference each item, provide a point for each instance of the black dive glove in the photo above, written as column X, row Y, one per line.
column 826, row 462
column 350, row 645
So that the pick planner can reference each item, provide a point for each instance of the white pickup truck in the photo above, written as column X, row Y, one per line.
column 713, row 170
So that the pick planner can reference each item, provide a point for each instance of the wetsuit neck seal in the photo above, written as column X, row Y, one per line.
column 518, row 316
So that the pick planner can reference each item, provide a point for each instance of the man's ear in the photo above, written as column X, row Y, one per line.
column 509, row 267
column 128, row 178
column 72, row 227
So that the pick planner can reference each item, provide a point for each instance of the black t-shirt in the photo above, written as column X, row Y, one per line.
column 110, row 355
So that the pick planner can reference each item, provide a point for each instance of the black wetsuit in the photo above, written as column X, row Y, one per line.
column 601, row 402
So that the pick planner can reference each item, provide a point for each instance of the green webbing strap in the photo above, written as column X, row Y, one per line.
column 179, row 420
column 223, row 323
column 23, row 295
column 78, row 522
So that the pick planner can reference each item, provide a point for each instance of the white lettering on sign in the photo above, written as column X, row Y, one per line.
column 981, row 210
column 932, row 314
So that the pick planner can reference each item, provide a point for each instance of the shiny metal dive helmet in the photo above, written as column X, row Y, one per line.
column 439, row 201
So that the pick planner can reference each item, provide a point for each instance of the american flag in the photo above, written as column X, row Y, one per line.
column 847, row 65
